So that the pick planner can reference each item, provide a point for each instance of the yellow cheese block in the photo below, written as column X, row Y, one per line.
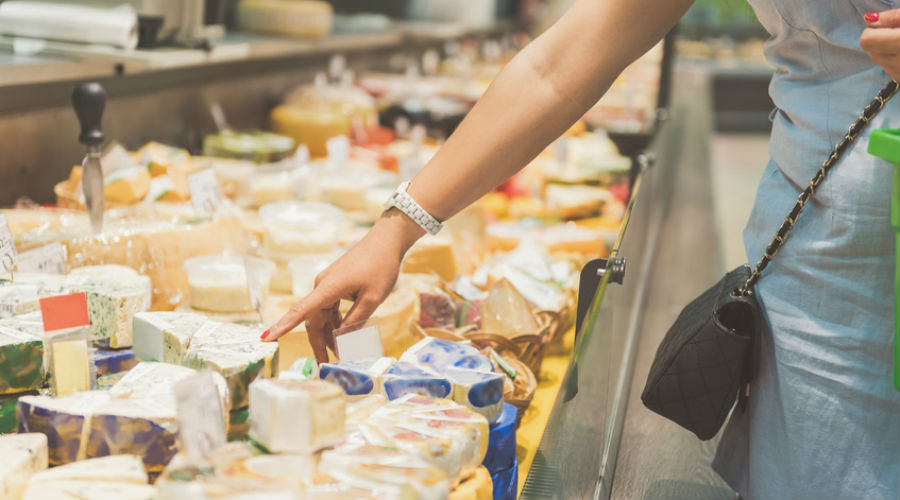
column 396, row 316
column 478, row 486
column 431, row 254
column 128, row 189
column 312, row 127
column 70, row 369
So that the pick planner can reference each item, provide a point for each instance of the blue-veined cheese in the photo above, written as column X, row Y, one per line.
column 164, row 336
column 297, row 417
column 23, row 455
column 442, row 354
column 386, row 471
column 478, row 391
column 358, row 377
column 136, row 416
column 112, row 303
column 18, row 298
column 409, row 378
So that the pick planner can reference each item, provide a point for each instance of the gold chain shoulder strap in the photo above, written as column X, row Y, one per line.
column 785, row 230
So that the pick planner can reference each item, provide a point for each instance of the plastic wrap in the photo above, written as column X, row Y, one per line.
column 224, row 283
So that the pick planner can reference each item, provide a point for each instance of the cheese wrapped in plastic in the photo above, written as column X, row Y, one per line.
column 21, row 353
column 408, row 378
column 237, row 353
column 116, row 476
column 23, row 455
column 386, row 471
column 481, row 392
column 297, row 417
column 109, row 362
column 437, row 431
column 442, row 354
column 136, row 416
column 358, row 377
column 112, row 303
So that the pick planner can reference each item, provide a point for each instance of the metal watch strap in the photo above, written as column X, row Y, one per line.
column 406, row 204
column 785, row 230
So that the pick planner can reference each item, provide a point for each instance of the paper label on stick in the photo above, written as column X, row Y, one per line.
column 201, row 418
column 7, row 247
column 65, row 311
column 206, row 196
column 362, row 343
column 254, row 287
column 338, row 150
column 50, row 259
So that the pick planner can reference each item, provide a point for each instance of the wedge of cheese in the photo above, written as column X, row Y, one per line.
column 387, row 471
column 408, row 378
column 21, row 354
column 164, row 336
column 296, row 417
column 23, row 455
column 442, row 354
column 431, row 254
column 136, row 416
column 437, row 431
column 481, row 392
column 112, row 303
column 358, row 377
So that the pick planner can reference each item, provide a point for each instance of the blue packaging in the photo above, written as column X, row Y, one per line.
column 506, row 483
column 501, row 452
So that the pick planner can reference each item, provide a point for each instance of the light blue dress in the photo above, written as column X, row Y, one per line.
column 823, row 420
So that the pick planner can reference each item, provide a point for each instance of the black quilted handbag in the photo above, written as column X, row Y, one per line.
column 710, row 355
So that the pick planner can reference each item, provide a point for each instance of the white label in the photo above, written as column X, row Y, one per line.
column 254, row 287
column 205, row 193
column 362, row 343
column 7, row 247
column 338, row 150
column 301, row 155
column 50, row 259
column 201, row 418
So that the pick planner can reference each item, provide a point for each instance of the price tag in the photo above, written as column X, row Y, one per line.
column 206, row 196
column 359, row 341
column 201, row 418
column 62, row 312
column 338, row 150
column 7, row 247
column 49, row 259
column 254, row 287
column 301, row 155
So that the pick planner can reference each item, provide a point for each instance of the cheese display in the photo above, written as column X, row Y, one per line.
column 117, row 476
column 23, row 455
column 136, row 416
column 192, row 340
column 297, row 227
column 113, row 301
column 224, row 283
column 300, row 417
column 441, row 354
column 358, row 377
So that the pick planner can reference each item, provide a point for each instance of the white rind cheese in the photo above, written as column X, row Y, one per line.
column 23, row 455
column 297, row 417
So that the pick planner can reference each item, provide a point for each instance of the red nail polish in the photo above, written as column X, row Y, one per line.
column 872, row 17
column 265, row 334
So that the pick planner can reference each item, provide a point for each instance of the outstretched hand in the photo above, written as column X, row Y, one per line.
column 881, row 39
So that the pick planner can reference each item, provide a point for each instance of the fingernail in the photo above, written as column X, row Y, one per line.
column 872, row 17
column 265, row 334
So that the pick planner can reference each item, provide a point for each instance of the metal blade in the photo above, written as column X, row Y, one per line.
column 92, row 182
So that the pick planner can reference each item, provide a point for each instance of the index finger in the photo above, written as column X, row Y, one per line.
column 884, row 19
column 317, row 299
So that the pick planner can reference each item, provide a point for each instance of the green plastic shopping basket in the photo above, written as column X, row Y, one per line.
column 885, row 144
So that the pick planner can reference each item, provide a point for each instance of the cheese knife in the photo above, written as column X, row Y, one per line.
column 89, row 99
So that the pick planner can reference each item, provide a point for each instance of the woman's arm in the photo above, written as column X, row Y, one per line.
column 540, row 93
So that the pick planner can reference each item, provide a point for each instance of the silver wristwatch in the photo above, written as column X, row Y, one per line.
column 406, row 204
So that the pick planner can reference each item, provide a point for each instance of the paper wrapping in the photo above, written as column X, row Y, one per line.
column 108, row 362
column 71, row 23
column 106, row 435
column 501, row 452
column 21, row 367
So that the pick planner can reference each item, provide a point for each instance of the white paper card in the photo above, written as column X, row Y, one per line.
column 50, row 259
column 362, row 343
column 206, row 196
column 201, row 418
column 254, row 286
column 338, row 150
column 7, row 247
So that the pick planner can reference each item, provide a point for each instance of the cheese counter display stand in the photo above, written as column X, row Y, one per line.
column 448, row 397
